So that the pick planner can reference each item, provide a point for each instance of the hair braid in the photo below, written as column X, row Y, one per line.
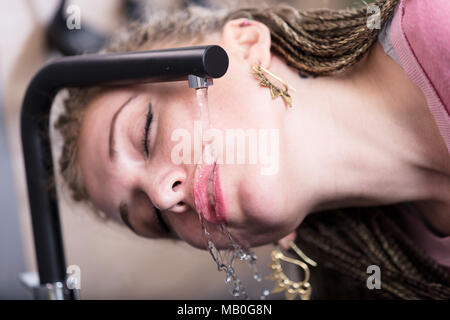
column 407, row 272
column 320, row 42
column 334, row 257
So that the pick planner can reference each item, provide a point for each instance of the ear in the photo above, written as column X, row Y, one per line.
column 250, row 40
column 284, row 242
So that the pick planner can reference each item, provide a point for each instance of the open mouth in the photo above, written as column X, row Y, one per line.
column 208, row 197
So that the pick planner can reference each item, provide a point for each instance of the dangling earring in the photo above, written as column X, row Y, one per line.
column 275, row 91
column 283, row 283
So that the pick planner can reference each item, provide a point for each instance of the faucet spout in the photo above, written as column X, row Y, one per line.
column 199, row 82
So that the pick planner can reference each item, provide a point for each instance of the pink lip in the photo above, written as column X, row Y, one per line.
column 204, row 206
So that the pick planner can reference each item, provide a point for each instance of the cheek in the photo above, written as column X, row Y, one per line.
column 238, row 101
column 262, row 200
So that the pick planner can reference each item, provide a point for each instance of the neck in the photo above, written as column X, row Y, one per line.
column 356, row 140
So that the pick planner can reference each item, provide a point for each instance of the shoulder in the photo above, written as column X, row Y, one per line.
column 424, row 26
column 420, row 36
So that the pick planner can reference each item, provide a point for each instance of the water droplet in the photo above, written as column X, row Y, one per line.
column 243, row 256
column 265, row 293
column 230, row 274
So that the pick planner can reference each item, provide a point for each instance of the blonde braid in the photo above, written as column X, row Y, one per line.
column 320, row 42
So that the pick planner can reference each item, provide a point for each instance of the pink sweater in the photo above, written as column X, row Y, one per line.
column 420, row 37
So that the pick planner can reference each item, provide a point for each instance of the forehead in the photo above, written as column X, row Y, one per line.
column 97, row 171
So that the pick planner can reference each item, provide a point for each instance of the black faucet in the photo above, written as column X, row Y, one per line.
column 197, row 65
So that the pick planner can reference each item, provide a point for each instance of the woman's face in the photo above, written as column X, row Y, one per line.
column 127, row 172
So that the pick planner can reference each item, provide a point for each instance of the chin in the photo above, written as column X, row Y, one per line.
column 251, row 236
column 263, row 205
column 257, row 238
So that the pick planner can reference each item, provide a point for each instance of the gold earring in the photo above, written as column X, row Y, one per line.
column 283, row 283
column 275, row 91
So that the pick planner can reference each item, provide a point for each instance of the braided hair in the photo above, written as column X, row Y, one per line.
column 345, row 242
column 320, row 42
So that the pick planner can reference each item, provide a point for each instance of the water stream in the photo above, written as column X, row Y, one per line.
column 224, row 259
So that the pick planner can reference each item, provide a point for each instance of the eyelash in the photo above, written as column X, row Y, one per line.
column 148, row 122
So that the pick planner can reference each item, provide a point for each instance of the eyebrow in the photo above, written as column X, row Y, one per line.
column 112, row 151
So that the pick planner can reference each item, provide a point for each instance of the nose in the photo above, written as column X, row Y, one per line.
column 168, row 192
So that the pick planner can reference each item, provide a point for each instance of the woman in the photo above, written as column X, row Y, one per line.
column 358, row 151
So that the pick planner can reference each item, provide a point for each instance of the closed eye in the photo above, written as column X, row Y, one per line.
column 148, row 122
